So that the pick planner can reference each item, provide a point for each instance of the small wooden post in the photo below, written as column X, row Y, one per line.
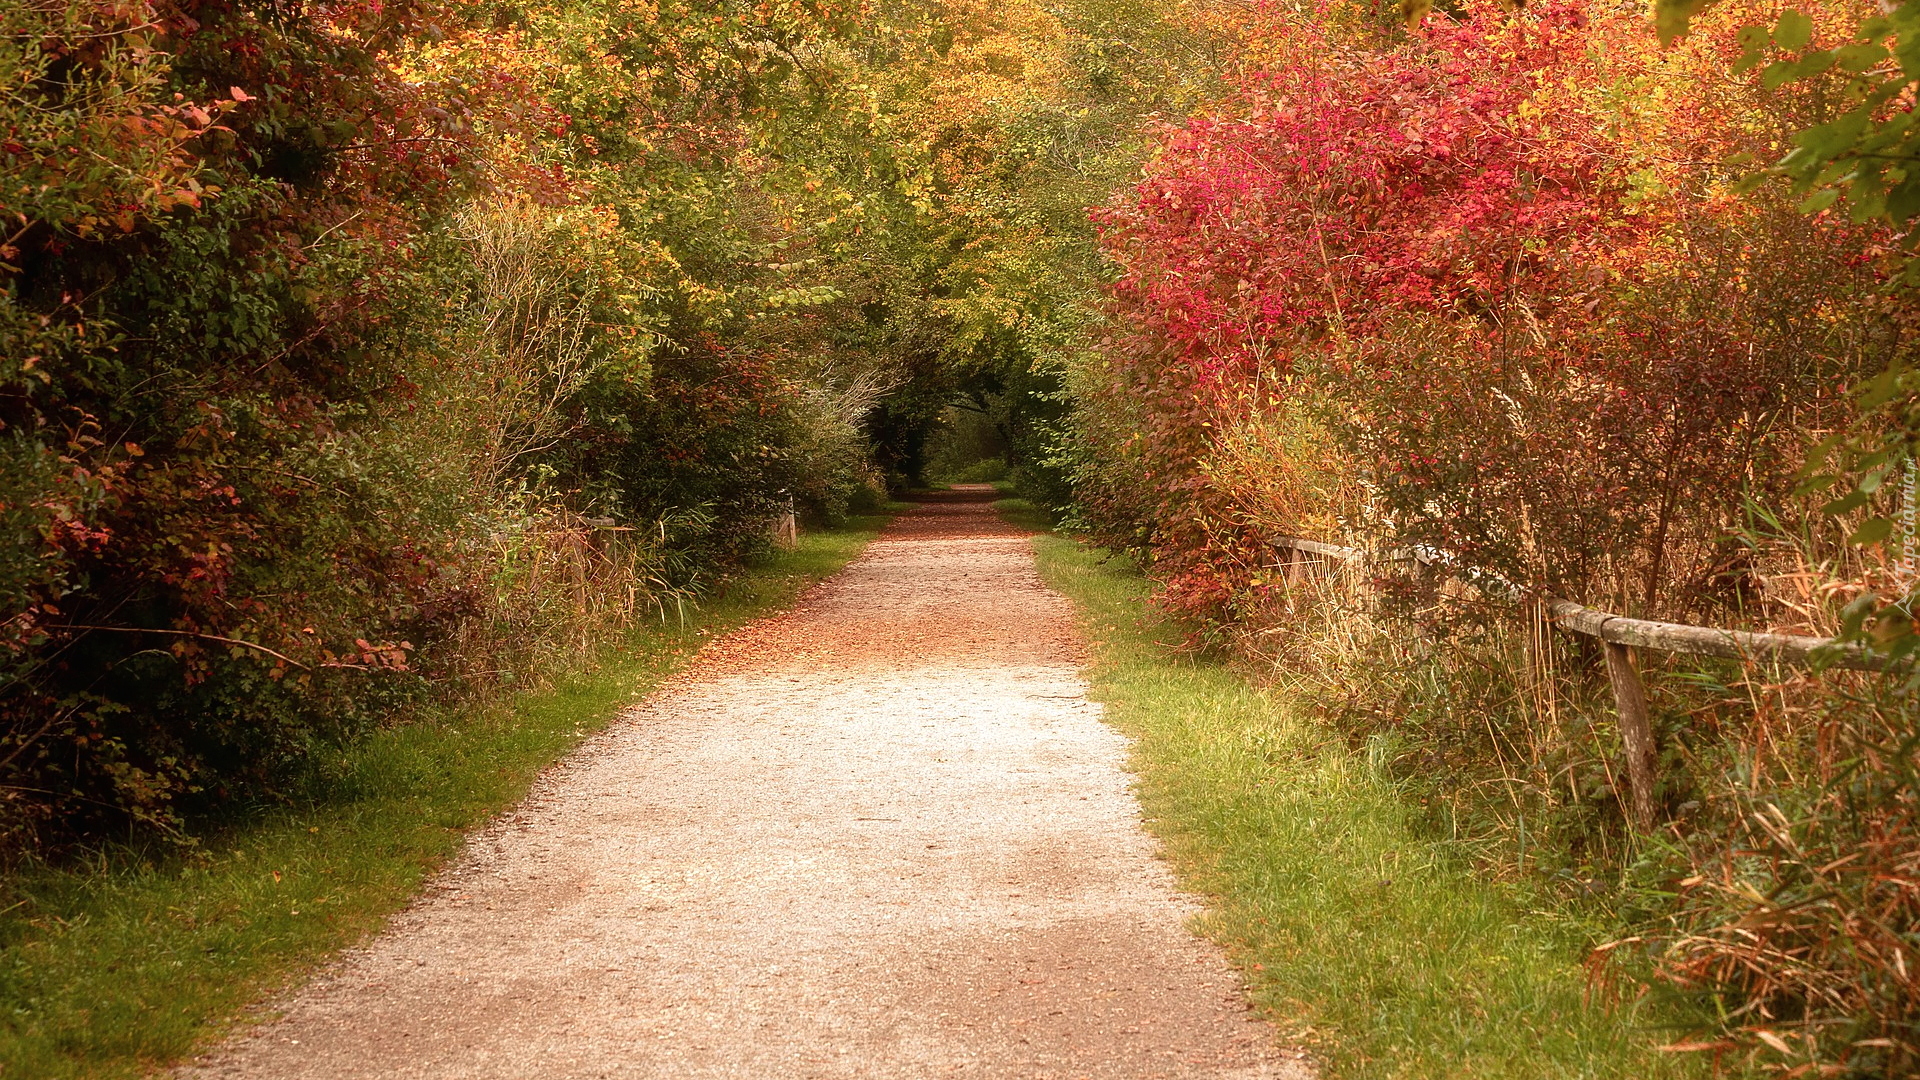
column 1636, row 731
column 1427, row 580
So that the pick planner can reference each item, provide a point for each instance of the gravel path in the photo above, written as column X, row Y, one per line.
column 885, row 836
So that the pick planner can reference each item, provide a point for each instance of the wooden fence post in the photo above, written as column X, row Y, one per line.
column 786, row 528
column 1636, row 731
column 1620, row 636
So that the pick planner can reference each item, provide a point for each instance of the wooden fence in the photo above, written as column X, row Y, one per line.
column 1619, row 636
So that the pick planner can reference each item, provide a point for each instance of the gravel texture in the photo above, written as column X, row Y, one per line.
column 884, row 835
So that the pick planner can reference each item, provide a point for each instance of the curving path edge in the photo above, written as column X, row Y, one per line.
column 884, row 835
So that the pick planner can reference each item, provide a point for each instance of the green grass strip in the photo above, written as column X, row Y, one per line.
column 1371, row 944
column 117, row 968
column 1023, row 514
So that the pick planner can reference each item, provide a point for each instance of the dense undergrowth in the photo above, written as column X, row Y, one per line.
column 131, row 957
column 1501, row 305
column 1378, row 945
column 359, row 357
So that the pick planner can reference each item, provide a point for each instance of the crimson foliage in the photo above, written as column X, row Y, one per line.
column 1449, row 254
column 1498, row 293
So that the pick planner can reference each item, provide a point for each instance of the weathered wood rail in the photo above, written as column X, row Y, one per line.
column 1619, row 636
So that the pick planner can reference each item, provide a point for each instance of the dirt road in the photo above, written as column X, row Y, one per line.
column 883, row 836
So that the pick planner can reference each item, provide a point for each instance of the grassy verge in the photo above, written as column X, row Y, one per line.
column 1023, row 514
column 1374, row 945
column 118, row 967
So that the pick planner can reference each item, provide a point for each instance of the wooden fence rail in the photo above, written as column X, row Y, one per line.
column 1619, row 636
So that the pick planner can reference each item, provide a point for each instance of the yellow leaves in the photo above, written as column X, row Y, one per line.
column 998, row 55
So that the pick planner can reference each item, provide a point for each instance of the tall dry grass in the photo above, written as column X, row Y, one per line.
column 1781, row 886
column 536, row 584
column 557, row 585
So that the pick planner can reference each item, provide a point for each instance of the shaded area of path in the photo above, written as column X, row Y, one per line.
column 884, row 835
